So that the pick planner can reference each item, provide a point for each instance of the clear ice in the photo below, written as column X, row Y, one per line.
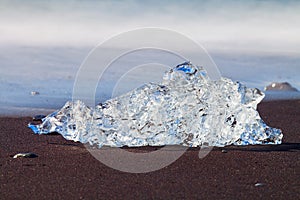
column 186, row 108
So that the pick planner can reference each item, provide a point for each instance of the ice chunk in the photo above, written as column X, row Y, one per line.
column 186, row 108
column 283, row 86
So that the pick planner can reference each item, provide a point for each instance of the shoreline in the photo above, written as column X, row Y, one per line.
column 66, row 170
column 28, row 111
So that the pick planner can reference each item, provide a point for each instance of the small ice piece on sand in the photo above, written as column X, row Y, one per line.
column 187, row 108
column 259, row 184
column 25, row 155
column 280, row 86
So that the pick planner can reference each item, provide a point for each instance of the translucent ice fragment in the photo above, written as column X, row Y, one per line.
column 186, row 67
column 186, row 108
column 283, row 86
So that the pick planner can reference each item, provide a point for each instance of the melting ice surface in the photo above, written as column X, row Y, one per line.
column 186, row 108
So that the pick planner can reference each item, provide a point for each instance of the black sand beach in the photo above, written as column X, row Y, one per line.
column 66, row 170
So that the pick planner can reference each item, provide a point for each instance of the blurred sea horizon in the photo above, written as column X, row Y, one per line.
column 43, row 44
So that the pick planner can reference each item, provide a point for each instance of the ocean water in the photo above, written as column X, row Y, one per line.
column 51, row 71
column 44, row 43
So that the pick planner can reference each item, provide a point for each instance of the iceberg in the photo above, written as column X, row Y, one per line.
column 280, row 86
column 187, row 108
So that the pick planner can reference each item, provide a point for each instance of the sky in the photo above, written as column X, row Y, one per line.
column 259, row 26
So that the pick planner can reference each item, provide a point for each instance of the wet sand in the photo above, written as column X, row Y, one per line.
column 66, row 170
